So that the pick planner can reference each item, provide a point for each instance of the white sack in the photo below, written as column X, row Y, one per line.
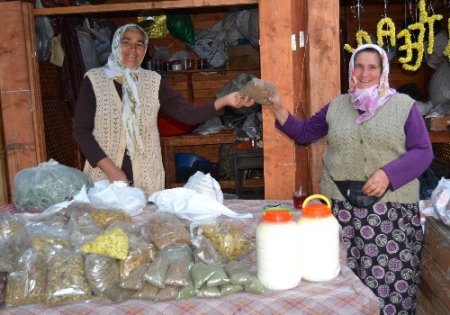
column 190, row 205
column 205, row 185
column 117, row 195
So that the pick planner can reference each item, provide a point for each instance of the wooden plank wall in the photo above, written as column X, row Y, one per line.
column 24, row 136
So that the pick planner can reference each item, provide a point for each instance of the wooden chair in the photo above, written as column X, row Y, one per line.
column 245, row 160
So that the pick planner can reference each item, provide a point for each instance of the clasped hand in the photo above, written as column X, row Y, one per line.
column 234, row 100
column 377, row 184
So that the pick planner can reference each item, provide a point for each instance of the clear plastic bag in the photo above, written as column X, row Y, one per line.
column 106, row 217
column 177, row 274
column 66, row 279
column 200, row 273
column 440, row 198
column 187, row 292
column 135, row 280
column 219, row 277
column 136, row 258
column 229, row 242
column 165, row 229
column 48, row 238
column 47, row 184
column 3, row 276
column 13, row 240
column 254, row 286
column 28, row 283
column 102, row 273
column 230, row 288
column 205, row 251
column 83, row 228
column 209, row 292
column 168, row 293
column 148, row 292
column 113, row 242
column 237, row 273
column 259, row 90
column 178, row 251
column 156, row 272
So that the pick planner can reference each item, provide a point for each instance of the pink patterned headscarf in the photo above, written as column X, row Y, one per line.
column 370, row 99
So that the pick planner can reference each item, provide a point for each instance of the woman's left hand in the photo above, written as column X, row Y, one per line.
column 377, row 184
column 234, row 100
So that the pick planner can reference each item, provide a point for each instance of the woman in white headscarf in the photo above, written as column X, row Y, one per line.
column 115, row 121
column 378, row 146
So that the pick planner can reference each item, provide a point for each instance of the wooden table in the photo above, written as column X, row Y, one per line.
column 345, row 294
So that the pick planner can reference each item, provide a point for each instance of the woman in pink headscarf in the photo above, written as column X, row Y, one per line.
column 378, row 146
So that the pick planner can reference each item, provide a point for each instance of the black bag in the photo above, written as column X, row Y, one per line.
column 352, row 191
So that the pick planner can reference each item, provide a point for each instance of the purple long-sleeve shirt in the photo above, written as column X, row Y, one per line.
column 408, row 166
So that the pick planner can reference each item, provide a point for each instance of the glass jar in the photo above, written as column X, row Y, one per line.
column 176, row 65
column 202, row 64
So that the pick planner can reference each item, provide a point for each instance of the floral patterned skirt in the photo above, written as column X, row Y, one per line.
column 384, row 245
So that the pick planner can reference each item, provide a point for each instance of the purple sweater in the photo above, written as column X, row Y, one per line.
column 408, row 166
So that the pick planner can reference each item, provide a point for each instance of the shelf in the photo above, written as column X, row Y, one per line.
column 229, row 183
column 439, row 136
column 139, row 6
column 207, row 70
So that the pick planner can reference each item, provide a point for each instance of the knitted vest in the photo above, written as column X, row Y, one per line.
column 355, row 151
column 148, row 171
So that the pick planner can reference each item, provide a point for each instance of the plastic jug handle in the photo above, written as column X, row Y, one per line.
column 316, row 196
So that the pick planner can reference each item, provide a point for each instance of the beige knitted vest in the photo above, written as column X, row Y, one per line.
column 355, row 151
column 148, row 171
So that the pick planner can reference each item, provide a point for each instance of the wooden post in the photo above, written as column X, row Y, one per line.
column 21, row 106
column 285, row 166
column 323, row 70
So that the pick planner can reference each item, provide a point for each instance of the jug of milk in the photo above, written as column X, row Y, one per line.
column 277, row 252
column 319, row 240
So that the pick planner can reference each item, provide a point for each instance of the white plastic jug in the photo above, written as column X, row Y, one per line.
column 319, row 241
column 277, row 252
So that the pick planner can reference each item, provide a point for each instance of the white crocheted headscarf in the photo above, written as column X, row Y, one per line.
column 130, row 99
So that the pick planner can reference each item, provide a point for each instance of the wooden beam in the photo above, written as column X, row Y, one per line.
column 323, row 70
column 278, row 21
column 139, row 6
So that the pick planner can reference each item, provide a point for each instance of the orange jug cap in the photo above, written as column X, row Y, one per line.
column 275, row 216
